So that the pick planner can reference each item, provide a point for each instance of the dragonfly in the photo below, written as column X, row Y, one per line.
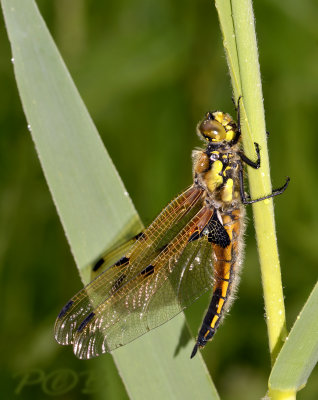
column 195, row 245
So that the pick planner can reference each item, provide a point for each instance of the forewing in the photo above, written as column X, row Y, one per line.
column 79, row 309
column 178, row 275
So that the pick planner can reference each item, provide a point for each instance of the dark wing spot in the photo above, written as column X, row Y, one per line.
column 98, row 264
column 101, row 261
column 85, row 322
column 139, row 235
column 122, row 261
column 118, row 283
column 217, row 233
column 163, row 248
column 148, row 270
column 65, row 309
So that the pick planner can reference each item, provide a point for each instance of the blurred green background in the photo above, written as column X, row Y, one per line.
column 147, row 72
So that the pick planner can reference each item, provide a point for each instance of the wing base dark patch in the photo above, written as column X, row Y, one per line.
column 217, row 233
column 195, row 236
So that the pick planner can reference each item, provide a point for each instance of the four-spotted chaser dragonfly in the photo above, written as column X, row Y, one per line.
column 194, row 245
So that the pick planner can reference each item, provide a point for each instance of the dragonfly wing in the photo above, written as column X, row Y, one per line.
column 79, row 309
column 112, row 255
column 177, row 276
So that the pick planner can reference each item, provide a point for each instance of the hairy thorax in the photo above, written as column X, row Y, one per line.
column 216, row 171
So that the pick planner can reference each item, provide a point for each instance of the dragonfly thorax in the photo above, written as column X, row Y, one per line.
column 217, row 173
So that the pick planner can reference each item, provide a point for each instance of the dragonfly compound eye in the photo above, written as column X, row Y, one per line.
column 212, row 130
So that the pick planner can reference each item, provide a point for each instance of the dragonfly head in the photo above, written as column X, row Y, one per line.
column 217, row 127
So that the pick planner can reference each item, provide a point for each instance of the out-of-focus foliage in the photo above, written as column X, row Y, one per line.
column 147, row 72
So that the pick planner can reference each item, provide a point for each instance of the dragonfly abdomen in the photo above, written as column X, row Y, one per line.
column 227, row 263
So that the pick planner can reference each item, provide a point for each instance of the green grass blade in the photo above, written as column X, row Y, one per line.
column 299, row 354
column 224, row 9
column 239, row 38
column 91, row 200
column 83, row 181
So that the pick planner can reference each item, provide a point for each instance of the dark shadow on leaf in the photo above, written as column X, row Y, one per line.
column 183, row 339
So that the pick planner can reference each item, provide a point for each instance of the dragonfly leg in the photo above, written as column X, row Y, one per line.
column 254, row 164
column 246, row 199
column 238, row 131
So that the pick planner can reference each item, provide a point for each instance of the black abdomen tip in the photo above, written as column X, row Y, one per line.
column 194, row 351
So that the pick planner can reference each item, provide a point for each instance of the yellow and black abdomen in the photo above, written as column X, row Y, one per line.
column 227, row 261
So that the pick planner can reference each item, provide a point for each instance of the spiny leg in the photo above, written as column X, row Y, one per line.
column 238, row 132
column 247, row 200
column 254, row 164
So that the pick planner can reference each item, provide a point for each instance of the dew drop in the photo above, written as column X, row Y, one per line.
column 12, row 60
column 29, row 128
